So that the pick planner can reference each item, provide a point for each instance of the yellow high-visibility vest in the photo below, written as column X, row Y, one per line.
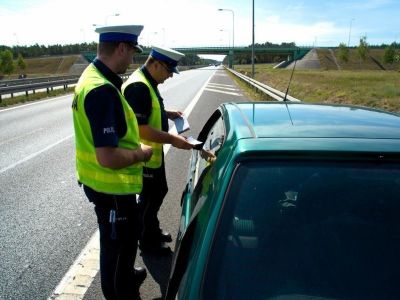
column 154, row 119
column 122, row 181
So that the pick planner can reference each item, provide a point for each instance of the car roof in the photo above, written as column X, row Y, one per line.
column 276, row 119
column 307, row 126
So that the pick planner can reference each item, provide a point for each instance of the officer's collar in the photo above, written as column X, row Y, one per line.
column 107, row 73
column 148, row 76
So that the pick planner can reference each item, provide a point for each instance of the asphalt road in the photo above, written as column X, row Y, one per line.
column 46, row 219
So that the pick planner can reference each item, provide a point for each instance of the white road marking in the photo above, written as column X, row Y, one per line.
column 34, row 103
column 223, row 87
column 82, row 272
column 223, row 92
column 34, row 154
column 80, row 275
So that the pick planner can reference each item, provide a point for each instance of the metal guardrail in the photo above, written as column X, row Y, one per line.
column 35, row 86
column 10, row 87
column 275, row 94
column 25, row 81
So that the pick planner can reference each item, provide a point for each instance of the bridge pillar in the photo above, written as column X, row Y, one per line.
column 296, row 54
column 230, row 59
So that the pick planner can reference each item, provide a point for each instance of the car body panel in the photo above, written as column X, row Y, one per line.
column 272, row 131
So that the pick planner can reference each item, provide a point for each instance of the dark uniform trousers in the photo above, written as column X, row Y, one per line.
column 119, row 234
column 155, row 188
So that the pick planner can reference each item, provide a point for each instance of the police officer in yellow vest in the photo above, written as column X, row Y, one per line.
column 141, row 91
column 109, row 158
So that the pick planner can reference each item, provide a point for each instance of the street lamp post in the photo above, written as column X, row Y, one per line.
column 83, row 34
column 397, row 56
column 153, row 41
column 233, row 32
column 106, row 17
column 16, row 38
column 252, row 47
column 163, row 41
column 348, row 42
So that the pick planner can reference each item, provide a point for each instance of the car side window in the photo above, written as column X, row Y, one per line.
column 215, row 137
column 212, row 135
column 213, row 143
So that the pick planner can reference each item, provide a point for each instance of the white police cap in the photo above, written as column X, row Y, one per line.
column 167, row 55
column 121, row 33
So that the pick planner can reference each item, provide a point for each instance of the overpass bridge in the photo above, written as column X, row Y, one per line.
column 292, row 53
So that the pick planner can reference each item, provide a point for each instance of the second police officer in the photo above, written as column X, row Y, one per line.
column 141, row 91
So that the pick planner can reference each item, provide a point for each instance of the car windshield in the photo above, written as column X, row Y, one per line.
column 291, row 230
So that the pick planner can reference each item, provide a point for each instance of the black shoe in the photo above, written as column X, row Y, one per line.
column 165, row 237
column 155, row 248
column 140, row 275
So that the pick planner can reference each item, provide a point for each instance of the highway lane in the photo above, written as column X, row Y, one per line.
column 46, row 220
column 44, row 217
column 28, row 129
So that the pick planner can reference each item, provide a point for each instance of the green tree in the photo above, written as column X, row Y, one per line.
column 190, row 60
column 6, row 62
column 363, row 48
column 389, row 55
column 21, row 62
column 343, row 52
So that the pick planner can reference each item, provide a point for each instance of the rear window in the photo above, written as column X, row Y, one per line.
column 291, row 230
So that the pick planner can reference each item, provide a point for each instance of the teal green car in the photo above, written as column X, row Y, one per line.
column 301, row 202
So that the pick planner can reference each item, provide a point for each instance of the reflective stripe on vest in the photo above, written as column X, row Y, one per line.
column 122, row 181
column 154, row 119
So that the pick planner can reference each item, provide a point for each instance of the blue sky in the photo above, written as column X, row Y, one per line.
column 185, row 23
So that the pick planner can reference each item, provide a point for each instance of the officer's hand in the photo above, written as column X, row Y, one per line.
column 208, row 155
column 147, row 152
column 181, row 142
column 173, row 114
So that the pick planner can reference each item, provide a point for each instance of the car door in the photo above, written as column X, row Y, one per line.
column 211, row 136
column 194, row 196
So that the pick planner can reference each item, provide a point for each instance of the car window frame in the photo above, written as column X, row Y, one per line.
column 213, row 137
column 180, row 261
column 201, row 167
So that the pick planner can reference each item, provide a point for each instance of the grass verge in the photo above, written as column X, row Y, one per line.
column 376, row 89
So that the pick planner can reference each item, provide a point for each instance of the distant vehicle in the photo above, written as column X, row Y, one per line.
column 302, row 202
